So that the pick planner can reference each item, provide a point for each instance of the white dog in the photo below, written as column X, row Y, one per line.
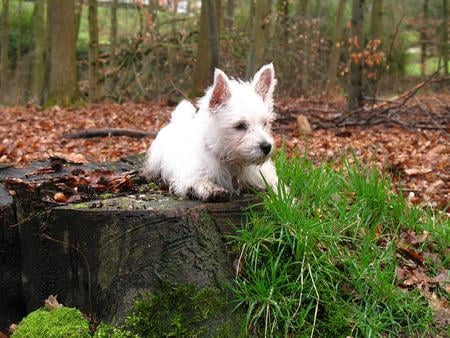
column 223, row 148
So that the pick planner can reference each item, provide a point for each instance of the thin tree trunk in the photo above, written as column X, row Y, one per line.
column 251, row 17
column 229, row 18
column 204, row 68
column 261, row 30
column 4, row 62
column 201, row 70
column 335, row 49
column 19, row 34
column 376, row 19
column 93, row 69
column 78, row 15
column 304, row 31
column 282, row 14
column 423, row 37
column 444, row 40
column 188, row 7
column 38, row 73
column 113, row 37
column 213, row 37
column 302, row 8
column 355, row 94
column 63, row 85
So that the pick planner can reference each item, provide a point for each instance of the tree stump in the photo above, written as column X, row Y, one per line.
column 99, row 255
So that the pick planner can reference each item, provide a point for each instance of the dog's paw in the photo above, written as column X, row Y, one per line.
column 208, row 192
column 218, row 195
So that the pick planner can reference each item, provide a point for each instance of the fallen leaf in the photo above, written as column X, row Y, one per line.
column 52, row 303
column 60, row 197
column 73, row 158
column 418, row 171
column 303, row 125
column 441, row 311
column 12, row 328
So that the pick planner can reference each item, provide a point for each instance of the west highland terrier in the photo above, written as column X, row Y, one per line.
column 224, row 147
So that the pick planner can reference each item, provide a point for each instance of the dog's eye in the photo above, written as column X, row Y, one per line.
column 241, row 126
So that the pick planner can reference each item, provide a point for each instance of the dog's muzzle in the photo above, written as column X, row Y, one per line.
column 265, row 147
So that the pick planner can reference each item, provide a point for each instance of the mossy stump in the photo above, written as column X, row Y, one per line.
column 98, row 256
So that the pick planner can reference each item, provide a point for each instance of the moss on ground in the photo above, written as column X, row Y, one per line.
column 177, row 311
column 58, row 323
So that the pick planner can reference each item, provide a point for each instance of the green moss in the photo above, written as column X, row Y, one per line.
column 108, row 331
column 58, row 323
column 73, row 102
column 106, row 195
column 80, row 206
column 176, row 311
column 149, row 187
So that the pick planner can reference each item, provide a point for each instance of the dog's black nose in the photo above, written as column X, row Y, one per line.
column 265, row 147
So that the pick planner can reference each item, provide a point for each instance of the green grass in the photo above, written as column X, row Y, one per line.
column 320, row 259
column 413, row 68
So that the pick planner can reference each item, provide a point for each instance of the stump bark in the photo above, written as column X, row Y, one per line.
column 100, row 255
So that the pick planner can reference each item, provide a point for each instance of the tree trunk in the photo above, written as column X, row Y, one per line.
column 302, row 10
column 78, row 15
column 355, row 94
column 12, row 307
column 19, row 35
column 213, row 37
column 251, row 17
column 208, row 47
column 113, row 38
column 444, row 40
column 4, row 62
column 229, row 17
column 423, row 37
column 63, row 85
column 261, row 32
column 38, row 72
column 282, row 28
column 93, row 68
column 376, row 19
column 100, row 255
column 335, row 49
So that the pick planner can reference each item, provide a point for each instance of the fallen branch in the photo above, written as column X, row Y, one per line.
column 90, row 133
column 366, row 115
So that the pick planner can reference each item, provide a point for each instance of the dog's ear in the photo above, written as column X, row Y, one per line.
column 264, row 82
column 221, row 90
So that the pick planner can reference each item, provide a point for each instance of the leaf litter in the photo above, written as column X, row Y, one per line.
column 417, row 160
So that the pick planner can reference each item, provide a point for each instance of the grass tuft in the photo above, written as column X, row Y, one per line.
column 319, row 258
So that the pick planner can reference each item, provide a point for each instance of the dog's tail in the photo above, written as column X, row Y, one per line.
column 184, row 111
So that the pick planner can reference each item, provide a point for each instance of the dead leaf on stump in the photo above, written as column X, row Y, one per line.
column 52, row 303
column 303, row 125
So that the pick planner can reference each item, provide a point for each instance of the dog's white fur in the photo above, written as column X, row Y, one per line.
column 217, row 151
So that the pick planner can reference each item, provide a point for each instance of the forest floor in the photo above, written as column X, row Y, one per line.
column 417, row 157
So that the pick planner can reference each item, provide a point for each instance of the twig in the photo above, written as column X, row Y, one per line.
column 415, row 89
column 138, row 80
column 387, row 106
column 426, row 111
column 90, row 133
column 181, row 92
